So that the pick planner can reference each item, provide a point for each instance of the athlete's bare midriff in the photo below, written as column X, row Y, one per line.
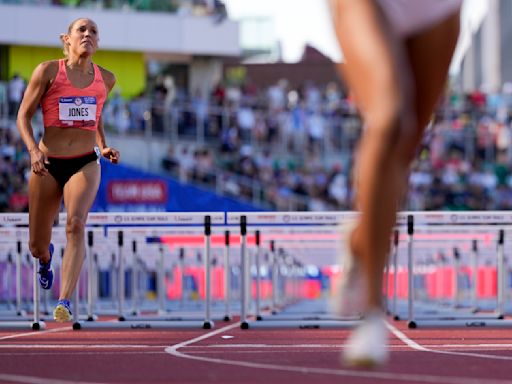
column 67, row 141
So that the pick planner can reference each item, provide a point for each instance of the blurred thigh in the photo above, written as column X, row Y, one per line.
column 375, row 67
column 430, row 54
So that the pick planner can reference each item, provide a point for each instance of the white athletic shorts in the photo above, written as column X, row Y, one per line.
column 408, row 17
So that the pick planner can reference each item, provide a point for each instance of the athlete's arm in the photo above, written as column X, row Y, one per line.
column 107, row 152
column 40, row 81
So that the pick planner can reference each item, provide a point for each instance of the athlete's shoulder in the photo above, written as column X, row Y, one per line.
column 47, row 70
column 108, row 77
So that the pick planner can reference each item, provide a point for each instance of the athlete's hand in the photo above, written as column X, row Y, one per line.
column 111, row 154
column 38, row 161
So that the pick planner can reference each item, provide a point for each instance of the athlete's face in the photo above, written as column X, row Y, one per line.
column 83, row 37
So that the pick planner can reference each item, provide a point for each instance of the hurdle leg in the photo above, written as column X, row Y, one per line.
column 161, row 283
column 258, row 276
column 208, row 269
column 76, row 306
column 410, row 272
column 121, row 286
column 9, row 281
column 275, row 271
column 182, row 273
column 500, row 308
column 456, row 268
column 474, row 285
column 135, row 271
column 19, row 311
column 395, row 274
column 243, row 273
column 90, row 277
column 227, row 279
column 36, row 325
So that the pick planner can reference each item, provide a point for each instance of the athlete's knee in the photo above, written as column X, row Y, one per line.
column 75, row 226
column 391, row 125
column 383, row 122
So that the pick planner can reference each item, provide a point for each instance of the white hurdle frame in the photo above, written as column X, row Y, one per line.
column 206, row 219
column 97, row 219
column 499, row 219
column 278, row 218
column 21, row 321
column 468, row 320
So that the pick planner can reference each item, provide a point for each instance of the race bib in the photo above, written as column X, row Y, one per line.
column 78, row 108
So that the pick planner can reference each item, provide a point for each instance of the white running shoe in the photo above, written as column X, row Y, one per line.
column 367, row 345
column 351, row 290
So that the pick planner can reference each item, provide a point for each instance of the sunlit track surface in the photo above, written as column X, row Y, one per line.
column 231, row 355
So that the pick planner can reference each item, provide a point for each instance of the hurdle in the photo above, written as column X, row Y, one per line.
column 267, row 220
column 267, row 223
column 177, row 241
column 115, row 219
column 168, row 219
column 21, row 321
column 470, row 320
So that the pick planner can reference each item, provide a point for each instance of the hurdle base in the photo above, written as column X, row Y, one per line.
column 468, row 323
column 22, row 325
column 244, row 325
column 140, row 325
column 208, row 325
column 300, row 324
column 227, row 318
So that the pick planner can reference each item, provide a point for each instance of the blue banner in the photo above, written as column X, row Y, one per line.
column 127, row 189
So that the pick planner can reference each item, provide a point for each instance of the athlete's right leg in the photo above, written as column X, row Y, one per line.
column 45, row 198
column 377, row 72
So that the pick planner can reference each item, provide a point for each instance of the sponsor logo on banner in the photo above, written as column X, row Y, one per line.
column 6, row 219
column 137, row 192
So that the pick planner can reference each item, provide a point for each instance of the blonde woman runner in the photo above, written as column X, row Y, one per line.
column 65, row 163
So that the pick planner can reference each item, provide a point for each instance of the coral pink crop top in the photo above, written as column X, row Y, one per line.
column 66, row 106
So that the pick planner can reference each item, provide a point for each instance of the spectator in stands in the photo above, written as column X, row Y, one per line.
column 65, row 162
column 397, row 55
column 15, row 90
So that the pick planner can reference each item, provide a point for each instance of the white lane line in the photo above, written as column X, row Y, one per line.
column 38, row 380
column 32, row 333
column 393, row 377
column 81, row 346
column 82, row 353
column 414, row 345
column 240, row 346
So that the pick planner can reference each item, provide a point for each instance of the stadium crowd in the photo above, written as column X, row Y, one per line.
column 292, row 149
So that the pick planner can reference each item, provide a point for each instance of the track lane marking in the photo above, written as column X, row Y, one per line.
column 173, row 351
column 32, row 333
column 39, row 380
column 414, row 345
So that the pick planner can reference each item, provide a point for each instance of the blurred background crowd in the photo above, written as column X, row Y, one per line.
column 285, row 141
column 294, row 148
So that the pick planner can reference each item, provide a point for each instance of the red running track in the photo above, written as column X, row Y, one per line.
column 228, row 354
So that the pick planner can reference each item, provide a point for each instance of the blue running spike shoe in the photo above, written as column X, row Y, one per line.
column 46, row 272
column 62, row 311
